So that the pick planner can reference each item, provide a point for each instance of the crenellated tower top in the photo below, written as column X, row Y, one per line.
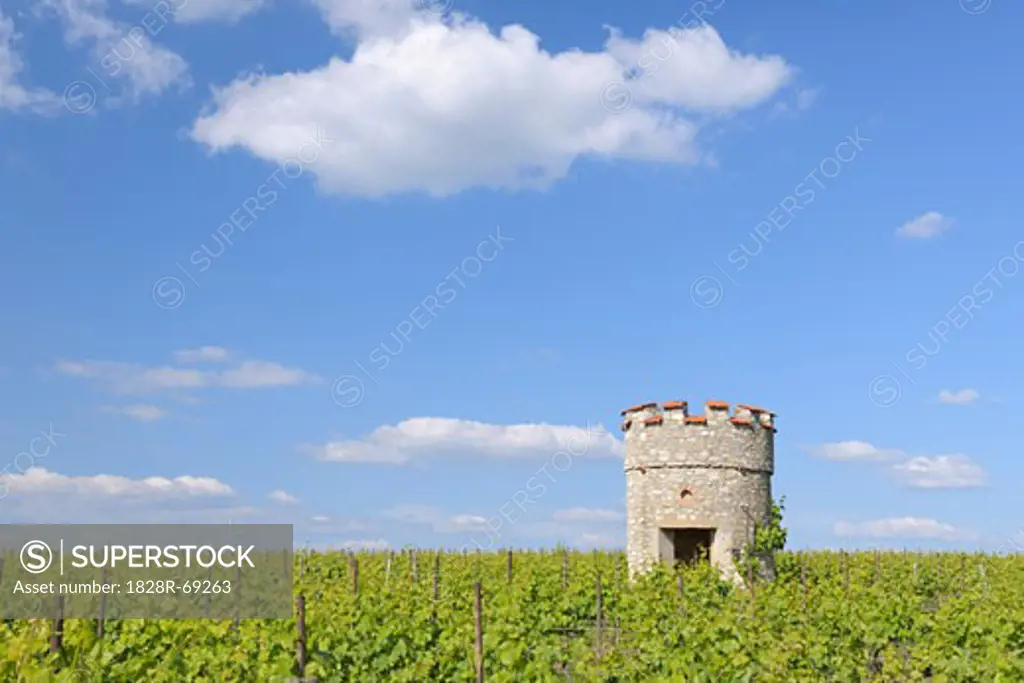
column 667, row 434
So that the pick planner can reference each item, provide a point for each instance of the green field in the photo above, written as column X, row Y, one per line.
column 827, row 617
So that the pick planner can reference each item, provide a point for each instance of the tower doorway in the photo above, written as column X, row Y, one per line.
column 685, row 545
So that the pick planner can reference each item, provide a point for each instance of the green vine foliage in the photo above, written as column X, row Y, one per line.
column 856, row 617
column 769, row 539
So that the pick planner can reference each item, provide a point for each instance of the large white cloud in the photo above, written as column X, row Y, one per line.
column 425, row 437
column 440, row 105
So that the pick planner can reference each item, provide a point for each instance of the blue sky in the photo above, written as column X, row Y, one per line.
column 564, row 210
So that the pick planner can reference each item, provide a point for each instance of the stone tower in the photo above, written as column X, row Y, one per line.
column 696, row 481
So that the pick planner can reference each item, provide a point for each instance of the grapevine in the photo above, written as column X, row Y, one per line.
column 825, row 617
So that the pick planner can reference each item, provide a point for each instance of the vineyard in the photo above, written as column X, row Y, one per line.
column 571, row 616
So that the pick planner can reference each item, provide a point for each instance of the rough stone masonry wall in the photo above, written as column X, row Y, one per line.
column 724, row 461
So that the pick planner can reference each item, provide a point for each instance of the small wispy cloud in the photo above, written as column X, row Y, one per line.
column 203, row 354
column 925, row 226
column 13, row 94
column 940, row 472
column 854, row 450
column 596, row 540
column 587, row 515
column 435, row 518
column 128, row 378
column 283, row 498
column 141, row 412
column 901, row 528
column 804, row 100
column 958, row 397
column 356, row 545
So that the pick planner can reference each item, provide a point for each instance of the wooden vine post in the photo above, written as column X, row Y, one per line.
column 437, row 575
column 599, row 640
column 478, row 615
column 565, row 569
column 103, row 606
column 300, row 645
column 803, row 580
column 57, row 634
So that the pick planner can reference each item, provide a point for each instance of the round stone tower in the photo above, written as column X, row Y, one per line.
column 696, row 481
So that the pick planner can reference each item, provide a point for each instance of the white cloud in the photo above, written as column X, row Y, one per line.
column 697, row 70
column 283, row 497
column 901, row 528
column 434, row 436
column 121, row 51
column 806, row 98
column 203, row 354
column 439, row 106
column 940, row 472
column 356, row 545
column 255, row 374
column 958, row 397
column 592, row 540
column 195, row 11
column 136, row 379
column 925, row 226
column 320, row 519
column 467, row 522
column 587, row 515
column 854, row 450
column 13, row 95
column 436, row 519
column 38, row 481
column 803, row 99
column 364, row 18
column 140, row 412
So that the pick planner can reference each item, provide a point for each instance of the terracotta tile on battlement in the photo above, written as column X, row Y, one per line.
column 741, row 421
column 657, row 420
column 756, row 410
column 642, row 406
column 696, row 419
column 674, row 405
column 718, row 405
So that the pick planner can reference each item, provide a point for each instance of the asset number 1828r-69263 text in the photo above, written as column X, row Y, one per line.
column 161, row 587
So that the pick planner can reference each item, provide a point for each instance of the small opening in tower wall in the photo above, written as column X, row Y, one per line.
column 686, row 545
